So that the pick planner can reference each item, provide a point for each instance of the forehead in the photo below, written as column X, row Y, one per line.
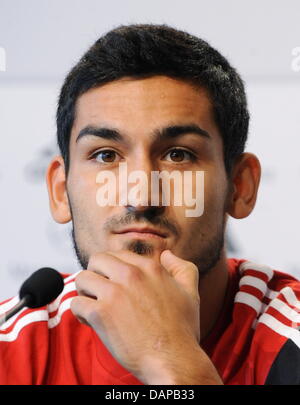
column 139, row 106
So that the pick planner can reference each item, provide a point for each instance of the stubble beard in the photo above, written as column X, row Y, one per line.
column 205, row 261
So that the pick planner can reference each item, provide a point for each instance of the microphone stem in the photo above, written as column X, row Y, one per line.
column 21, row 304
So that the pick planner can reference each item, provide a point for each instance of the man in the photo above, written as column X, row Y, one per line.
column 158, row 301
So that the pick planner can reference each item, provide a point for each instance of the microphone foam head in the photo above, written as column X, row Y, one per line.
column 42, row 287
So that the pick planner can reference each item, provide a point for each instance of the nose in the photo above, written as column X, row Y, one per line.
column 148, row 212
column 142, row 198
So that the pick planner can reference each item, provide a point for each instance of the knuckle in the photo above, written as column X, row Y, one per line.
column 89, row 314
column 193, row 267
column 81, row 278
column 75, row 305
column 115, row 294
column 132, row 274
column 107, row 306
column 93, row 316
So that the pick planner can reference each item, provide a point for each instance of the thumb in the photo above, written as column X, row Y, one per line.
column 184, row 272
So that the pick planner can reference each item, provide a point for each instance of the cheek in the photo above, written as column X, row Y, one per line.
column 82, row 195
column 203, row 198
column 83, row 188
column 215, row 192
column 88, row 212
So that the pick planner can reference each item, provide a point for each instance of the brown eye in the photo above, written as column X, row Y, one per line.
column 105, row 156
column 179, row 155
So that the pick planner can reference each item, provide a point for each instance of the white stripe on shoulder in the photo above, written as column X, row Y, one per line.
column 35, row 316
column 55, row 304
column 63, row 308
column 254, row 282
column 27, row 319
column 280, row 328
column 248, row 265
column 72, row 276
column 9, row 304
column 270, row 294
column 250, row 300
column 285, row 310
column 69, row 286
column 290, row 296
column 11, row 320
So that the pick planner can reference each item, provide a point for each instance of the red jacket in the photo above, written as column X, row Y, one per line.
column 256, row 339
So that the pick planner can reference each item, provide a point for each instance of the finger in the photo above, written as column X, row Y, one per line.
column 92, row 285
column 129, row 257
column 184, row 272
column 112, row 267
column 82, row 307
column 145, row 264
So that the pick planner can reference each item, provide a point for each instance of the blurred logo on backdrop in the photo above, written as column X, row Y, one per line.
column 296, row 59
column 2, row 60
column 35, row 170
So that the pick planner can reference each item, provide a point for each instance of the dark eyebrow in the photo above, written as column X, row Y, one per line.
column 175, row 131
column 172, row 131
column 101, row 132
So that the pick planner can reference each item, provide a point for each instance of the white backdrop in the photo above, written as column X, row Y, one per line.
column 42, row 39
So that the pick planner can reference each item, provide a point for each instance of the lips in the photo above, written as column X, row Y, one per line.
column 143, row 231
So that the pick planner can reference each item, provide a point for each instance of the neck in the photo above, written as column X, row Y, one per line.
column 212, row 289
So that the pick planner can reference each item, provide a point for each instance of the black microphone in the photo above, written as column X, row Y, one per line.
column 42, row 287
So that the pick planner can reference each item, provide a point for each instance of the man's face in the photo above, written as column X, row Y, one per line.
column 128, row 121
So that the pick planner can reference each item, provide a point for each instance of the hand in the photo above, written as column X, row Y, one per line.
column 145, row 312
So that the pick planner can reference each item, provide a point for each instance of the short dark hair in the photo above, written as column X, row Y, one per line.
column 144, row 50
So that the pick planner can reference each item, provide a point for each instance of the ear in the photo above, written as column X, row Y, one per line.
column 245, row 180
column 56, row 183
